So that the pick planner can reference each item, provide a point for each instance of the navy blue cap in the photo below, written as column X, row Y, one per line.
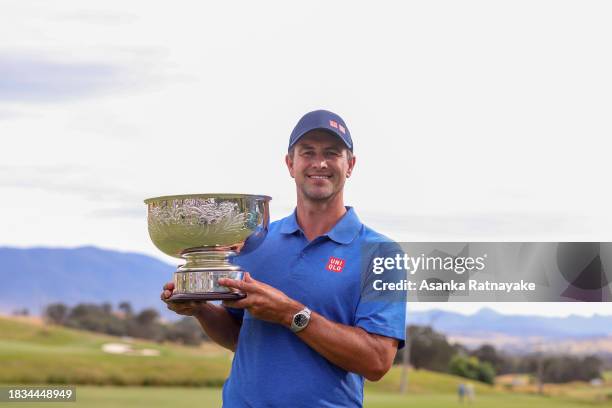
column 322, row 120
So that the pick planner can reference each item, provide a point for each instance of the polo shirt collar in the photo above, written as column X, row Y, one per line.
column 290, row 225
column 344, row 232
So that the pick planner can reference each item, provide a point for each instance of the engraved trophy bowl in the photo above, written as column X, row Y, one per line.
column 206, row 230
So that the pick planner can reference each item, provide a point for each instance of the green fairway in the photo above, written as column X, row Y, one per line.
column 376, row 400
column 33, row 353
column 39, row 354
column 137, row 397
column 157, row 397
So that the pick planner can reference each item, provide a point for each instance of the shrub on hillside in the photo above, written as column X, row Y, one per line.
column 471, row 367
column 125, row 322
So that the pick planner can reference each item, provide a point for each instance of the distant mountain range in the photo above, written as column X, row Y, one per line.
column 35, row 277
column 522, row 334
column 489, row 321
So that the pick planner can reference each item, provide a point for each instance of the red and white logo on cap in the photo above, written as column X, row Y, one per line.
column 335, row 264
column 342, row 129
column 333, row 124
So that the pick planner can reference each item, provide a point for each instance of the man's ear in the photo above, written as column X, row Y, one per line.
column 351, row 166
column 289, row 163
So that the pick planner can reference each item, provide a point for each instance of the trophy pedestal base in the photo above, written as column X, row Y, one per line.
column 205, row 297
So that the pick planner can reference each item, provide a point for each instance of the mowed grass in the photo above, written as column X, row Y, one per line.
column 33, row 353
column 431, row 389
column 40, row 354
column 426, row 382
column 161, row 397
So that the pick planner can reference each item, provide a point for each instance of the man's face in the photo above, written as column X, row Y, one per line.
column 320, row 165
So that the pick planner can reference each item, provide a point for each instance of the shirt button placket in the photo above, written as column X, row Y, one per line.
column 299, row 264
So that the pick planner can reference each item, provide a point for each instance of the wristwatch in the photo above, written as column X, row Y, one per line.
column 300, row 320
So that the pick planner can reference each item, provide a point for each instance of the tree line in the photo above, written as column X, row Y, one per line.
column 428, row 349
column 124, row 321
column 431, row 350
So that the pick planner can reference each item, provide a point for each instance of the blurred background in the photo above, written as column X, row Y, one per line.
column 472, row 121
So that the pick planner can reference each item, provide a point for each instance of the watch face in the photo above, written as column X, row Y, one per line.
column 300, row 320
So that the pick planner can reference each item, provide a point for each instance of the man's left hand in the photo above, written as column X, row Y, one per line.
column 263, row 301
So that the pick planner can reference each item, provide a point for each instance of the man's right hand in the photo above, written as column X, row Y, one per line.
column 216, row 321
column 182, row 308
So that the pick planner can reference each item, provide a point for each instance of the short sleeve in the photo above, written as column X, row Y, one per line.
column 382, row 310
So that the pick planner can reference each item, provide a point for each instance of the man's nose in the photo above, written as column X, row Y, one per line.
column 319, row 162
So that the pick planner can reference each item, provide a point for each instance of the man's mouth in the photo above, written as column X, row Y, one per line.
column 319, row 177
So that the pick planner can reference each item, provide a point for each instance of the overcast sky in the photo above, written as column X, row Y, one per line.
column 472, row 120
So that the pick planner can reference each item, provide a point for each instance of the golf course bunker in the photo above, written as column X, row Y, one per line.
column 126, row 349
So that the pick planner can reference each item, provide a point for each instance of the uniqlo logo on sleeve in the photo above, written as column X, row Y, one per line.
column 335, row 264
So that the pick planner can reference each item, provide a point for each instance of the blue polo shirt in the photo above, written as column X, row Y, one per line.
column 272, row 367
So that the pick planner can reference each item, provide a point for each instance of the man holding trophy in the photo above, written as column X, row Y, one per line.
column 304, row 336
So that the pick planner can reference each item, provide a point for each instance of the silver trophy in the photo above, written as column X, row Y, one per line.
column 206, row 230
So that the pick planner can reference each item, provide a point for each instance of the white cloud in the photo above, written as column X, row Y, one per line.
column 471, row 120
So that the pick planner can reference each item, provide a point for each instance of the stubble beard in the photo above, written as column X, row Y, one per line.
column 320, row 195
